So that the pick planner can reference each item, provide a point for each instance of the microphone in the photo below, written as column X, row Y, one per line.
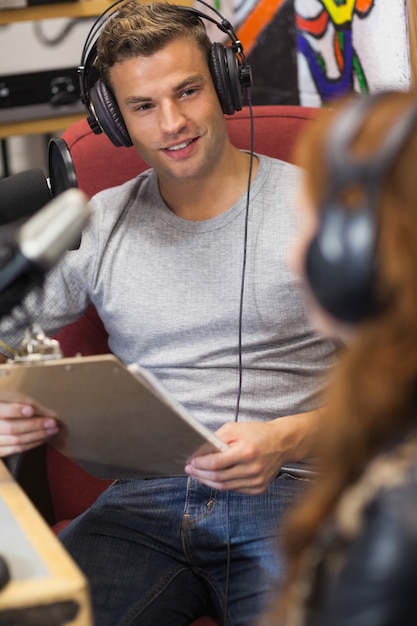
column 22, row 195
column 39, row 244
column 25, row 193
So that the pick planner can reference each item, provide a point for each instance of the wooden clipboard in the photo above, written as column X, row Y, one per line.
column 116, row 421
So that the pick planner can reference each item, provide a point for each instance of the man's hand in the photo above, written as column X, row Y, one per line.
column 257, row 451
column 24, row 424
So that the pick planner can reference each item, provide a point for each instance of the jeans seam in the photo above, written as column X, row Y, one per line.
column 151, row 596
column 187, row 523
column 219, row 594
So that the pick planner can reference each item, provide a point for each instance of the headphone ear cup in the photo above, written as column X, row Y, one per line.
column 340, row 263
column 224, row 67
column 107, row 114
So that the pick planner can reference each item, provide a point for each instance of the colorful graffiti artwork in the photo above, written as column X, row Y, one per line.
column 339, row 15
column 312, row 51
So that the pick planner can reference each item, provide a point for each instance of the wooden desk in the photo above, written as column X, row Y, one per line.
column 46, row 126
column 44, row 579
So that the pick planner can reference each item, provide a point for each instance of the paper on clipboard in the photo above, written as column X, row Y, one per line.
column 116, row 421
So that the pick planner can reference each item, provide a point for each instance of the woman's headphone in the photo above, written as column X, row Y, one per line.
column 341, row 263
column 230, row 73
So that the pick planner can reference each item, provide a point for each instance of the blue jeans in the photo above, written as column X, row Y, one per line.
column 155, row 551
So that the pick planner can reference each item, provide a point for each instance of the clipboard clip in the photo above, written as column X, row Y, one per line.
column 36, row 346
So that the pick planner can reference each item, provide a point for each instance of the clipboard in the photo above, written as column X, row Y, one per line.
column 116, row 421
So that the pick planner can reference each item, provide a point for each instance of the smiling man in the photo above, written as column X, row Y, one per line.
column 162, row 261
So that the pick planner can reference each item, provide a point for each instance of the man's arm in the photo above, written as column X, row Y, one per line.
column 257, row 451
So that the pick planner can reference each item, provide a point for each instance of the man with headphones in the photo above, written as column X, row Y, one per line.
column 186, row 265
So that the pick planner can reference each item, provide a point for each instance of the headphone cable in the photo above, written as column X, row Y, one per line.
column 245, row 244
column 240, row 356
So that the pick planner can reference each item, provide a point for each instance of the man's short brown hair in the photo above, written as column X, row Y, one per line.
column 143, row 29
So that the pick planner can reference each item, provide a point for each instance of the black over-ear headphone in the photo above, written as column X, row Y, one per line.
column 341, row 261
column 230, row 73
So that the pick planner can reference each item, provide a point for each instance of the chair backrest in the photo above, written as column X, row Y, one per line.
column 99, row 164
